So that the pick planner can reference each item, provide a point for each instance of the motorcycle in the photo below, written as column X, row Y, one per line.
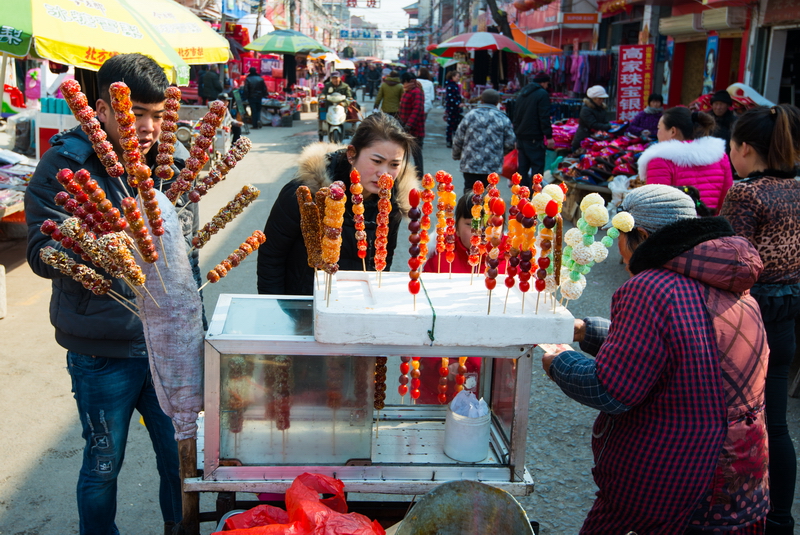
column 338, row 116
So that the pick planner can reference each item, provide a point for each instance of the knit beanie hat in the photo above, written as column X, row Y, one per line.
column 541, row 78
column 655, row 206
column 722, row 96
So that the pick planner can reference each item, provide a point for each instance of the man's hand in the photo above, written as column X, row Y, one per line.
column 551, row 144
column 547, row 361
column 579, row 332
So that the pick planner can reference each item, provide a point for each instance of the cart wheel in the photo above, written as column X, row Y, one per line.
column 184, row 135
column 335, row 136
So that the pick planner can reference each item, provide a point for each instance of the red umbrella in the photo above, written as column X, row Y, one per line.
column 477, row 41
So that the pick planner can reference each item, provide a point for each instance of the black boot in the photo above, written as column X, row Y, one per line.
column 169, row 528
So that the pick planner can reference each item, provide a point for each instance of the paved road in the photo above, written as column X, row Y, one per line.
column 40, row 442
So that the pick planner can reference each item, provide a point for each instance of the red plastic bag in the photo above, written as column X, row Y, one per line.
column 510, row 164
column 261, row 515
column 307, row 513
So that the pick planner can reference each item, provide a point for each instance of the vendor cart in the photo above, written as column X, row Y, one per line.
column 279, row 402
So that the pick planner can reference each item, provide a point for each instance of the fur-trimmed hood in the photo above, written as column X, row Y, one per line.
column 702, row 151
column 320, row 162
column 705, row 249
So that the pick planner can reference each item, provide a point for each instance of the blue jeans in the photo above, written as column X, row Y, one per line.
column 107, row 390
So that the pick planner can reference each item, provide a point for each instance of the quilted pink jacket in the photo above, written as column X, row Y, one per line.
column 701, row 163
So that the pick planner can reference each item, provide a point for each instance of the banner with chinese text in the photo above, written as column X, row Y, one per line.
column 634, row 79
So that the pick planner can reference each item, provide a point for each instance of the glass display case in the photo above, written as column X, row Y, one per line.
column 278, row 403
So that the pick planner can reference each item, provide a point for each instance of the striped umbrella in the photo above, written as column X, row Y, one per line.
column 467, row 42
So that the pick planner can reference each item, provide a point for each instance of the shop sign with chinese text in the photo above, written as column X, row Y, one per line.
column 634, row 79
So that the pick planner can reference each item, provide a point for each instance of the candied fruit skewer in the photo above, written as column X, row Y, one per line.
column 402, row 388
column 461, row 375
column 332, row 232
column 86, row 116
column 494, row 234
column 441, row 218
column 379, row 396
column 167, row 139
column 474, row 257
column 511, row 251
column 198, row 153
column 450, row 220
column 414, row 228
column 385, row 183
column 219, row 171
column 357, row 197
column 444, row 372
column 310, row 227
column 428, row 196
column 225, row 215
column 256, row 239
column 415, row 380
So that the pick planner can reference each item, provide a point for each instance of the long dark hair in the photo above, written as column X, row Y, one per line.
column 773, row 132
column 691, row 124
column 382, row 127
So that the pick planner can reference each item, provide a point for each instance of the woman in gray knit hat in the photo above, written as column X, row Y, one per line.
column 680, row 443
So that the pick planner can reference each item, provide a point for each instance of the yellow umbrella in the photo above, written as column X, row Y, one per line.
column 85, row 34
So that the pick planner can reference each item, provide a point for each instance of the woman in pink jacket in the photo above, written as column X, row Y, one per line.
column 686, row 156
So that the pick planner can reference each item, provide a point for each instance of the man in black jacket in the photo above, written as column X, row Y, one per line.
column 373, row 80
column 255, row 89
column 532, row 126
column 107, row 355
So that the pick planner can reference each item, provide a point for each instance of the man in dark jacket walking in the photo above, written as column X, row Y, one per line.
column 373, row 80
column 255, row 89
column 532, row 126
column 107, row 356
column 212, row 87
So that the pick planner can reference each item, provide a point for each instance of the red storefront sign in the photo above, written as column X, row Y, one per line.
column 634, row 79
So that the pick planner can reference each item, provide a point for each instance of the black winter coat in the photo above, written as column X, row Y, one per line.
column 283, row 259
column 84, row 322
column 592, row 117
column 254, row 87
column 532, row 113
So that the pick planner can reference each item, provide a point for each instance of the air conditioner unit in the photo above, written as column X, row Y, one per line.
column 724, row 18
column 680, row 25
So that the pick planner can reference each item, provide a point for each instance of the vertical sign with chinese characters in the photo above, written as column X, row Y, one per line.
column 634, row 79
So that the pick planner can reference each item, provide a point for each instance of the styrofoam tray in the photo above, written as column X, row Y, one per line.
column 361, row 312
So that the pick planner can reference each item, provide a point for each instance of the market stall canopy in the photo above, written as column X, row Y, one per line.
column 537, row 47
column 85, row 34
column 285, row 42
column 249, row 22
column 467, row 42
column 395, row 64
column 344, row 64
column 370, row 59
column 324, row 56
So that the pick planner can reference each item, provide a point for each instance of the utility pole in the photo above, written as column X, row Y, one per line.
column 500, row 18
column 258, row 18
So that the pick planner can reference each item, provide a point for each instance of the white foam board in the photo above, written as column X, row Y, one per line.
column 360, row 311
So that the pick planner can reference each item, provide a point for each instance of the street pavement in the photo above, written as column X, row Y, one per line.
column 40, row 442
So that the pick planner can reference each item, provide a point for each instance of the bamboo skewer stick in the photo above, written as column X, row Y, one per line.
column 123, row 298
column 164, row 254
column 158, row 271
column 151, row 296
column 117, row 299
column 200, row 289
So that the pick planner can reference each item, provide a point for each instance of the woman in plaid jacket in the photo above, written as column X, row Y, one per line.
column 680, row 444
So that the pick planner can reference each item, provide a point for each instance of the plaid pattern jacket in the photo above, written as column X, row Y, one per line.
column 412, row 112
column 680, row 378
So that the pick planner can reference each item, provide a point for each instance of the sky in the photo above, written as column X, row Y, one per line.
column 390, row 16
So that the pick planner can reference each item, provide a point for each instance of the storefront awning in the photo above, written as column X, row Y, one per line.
column 537, row 47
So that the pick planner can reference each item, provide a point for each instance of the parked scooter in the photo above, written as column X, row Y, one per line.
column 335, row 117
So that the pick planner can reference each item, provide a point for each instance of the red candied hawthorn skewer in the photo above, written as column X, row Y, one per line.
column 441, row 218
column 198, row 154
column 86, row 116
column 474, row 257
column 141, row 235
column 427, row 195
column 138, row 172
column 357, row 198
column 450, row 219
column 402, row 388
column 220, row 169
column 494, row 235
column 414, row 214
column 167, row 139
column 385, row 183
